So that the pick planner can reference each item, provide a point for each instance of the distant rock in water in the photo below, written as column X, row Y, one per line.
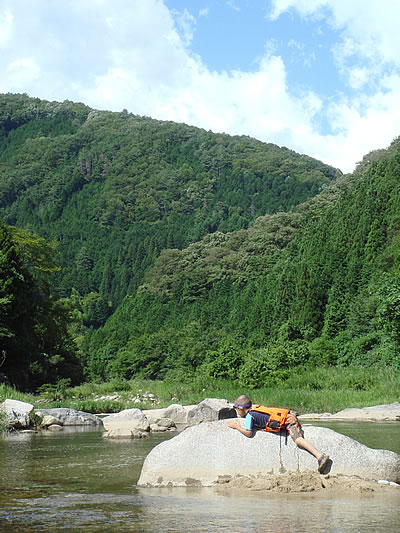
column 70, row 417
column 18, row 414
column 212, row 453
column 376, row 413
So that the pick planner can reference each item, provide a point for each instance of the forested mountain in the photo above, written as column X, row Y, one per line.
column 317, row 286
column 218, row 254
column 114, row 189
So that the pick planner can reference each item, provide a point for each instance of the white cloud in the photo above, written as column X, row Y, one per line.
column 22, row 72
column 6, row 27
column 186, row 24
column 232, row 4
column 366, row 55
column 136, row 55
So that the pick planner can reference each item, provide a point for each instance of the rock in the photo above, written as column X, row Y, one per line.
column 178, row 413
column 133, row 419
column 206, row 411
column 124, row 433
column 154, row 428
column 70, row 417
column 162, row 424
column 209, row 410
column 387, row 412
column 166, row 423
column 18, row 414
column 205, row 454
column 380, row 413
column 49, row 420
column 55, row 427
column 153, row 415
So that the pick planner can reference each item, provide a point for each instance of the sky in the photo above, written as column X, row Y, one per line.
column 321, row 77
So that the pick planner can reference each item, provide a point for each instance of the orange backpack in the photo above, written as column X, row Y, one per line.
column 277, row 417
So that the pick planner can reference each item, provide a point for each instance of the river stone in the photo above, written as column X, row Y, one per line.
column 387, row 412
column 178, row 413
column 49, row 420
column 124, row 433
column 153, row 415
column 209, row 410
column 376, row 413
column 203, row 454
column 165, row 423
column 133, row 419
column 55, row 427
column 18, row 414
column 70, row 417
column 155, row 428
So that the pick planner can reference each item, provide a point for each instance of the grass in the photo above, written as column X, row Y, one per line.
column 304, row 390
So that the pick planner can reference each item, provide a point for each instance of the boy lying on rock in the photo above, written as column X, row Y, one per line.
column 273, row 419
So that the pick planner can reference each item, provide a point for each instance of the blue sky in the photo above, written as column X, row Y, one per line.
column 321, row 77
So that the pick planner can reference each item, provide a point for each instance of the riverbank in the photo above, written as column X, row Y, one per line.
column 322, row 390
column 306, row 482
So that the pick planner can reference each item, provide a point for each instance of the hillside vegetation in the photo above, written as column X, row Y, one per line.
column 319, row 287
column 187, row 254
column 114, row 189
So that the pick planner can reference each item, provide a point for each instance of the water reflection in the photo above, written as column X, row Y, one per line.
column 80, row 481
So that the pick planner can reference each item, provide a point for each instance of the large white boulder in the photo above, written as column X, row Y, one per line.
column 205, row 454
column 18, row 414
column 133, row 419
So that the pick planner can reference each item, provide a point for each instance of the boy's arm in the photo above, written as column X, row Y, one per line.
column 235, row 425
column 292, row 419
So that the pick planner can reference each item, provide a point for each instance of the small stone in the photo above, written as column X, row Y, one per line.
column 155, row 428
column 124, row 433
column 55, row 427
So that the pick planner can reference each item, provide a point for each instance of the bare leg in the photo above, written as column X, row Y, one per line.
column 303, row 443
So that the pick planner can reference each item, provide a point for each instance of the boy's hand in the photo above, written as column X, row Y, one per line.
column 243, row 431
column 292, row 419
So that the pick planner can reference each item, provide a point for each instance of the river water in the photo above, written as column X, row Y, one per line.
column 79, row 481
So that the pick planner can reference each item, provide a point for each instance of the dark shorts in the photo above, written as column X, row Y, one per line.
column 294, row 431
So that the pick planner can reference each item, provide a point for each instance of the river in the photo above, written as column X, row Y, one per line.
column 79, row 481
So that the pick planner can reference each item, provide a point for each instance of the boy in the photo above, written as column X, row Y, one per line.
column 255, row 419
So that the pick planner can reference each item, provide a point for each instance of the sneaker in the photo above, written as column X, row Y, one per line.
column 322, row 462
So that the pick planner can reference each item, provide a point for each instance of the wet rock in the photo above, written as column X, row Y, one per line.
column 211, row 451
column 18, row 414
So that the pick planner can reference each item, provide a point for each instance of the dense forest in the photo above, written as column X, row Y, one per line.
column 183, row 252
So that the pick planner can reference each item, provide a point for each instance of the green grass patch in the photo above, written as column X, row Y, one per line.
column 302, row 389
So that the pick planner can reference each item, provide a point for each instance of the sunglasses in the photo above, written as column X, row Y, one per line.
column 241, row 406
